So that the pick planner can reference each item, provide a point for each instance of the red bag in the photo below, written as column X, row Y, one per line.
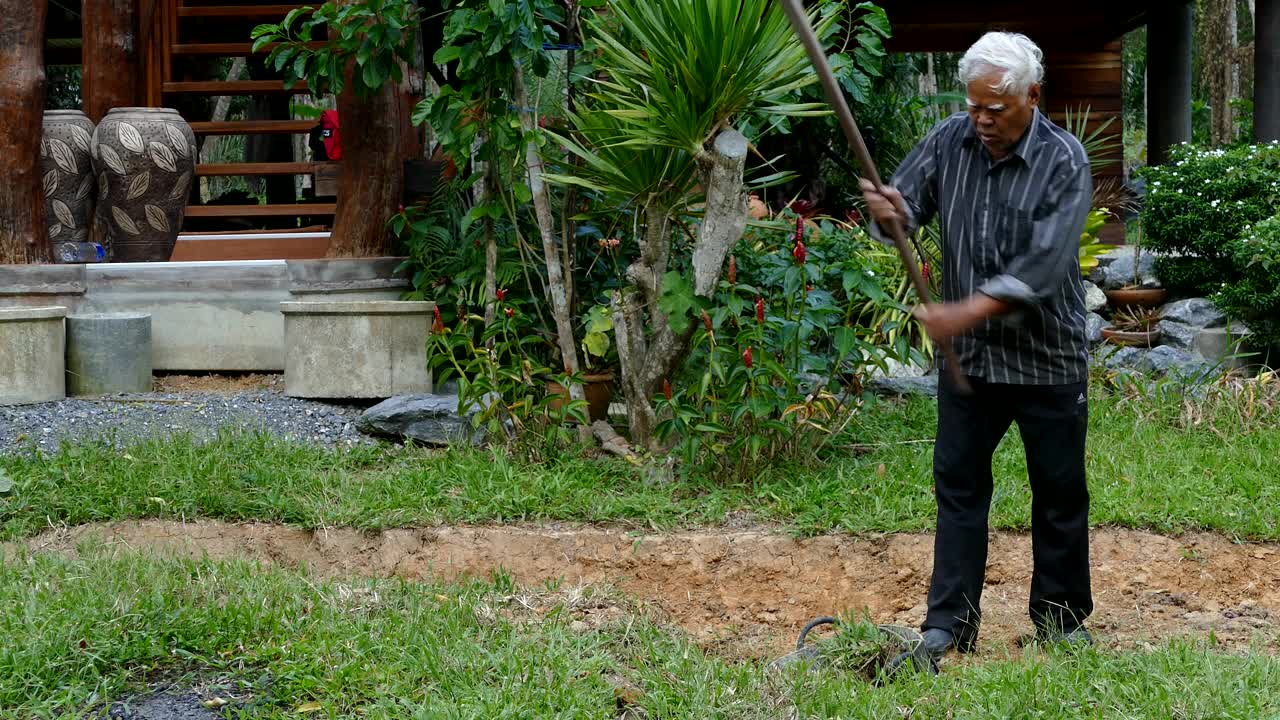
column 330, row 135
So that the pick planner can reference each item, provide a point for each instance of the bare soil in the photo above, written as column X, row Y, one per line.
column 748, row 592
column 217, row 383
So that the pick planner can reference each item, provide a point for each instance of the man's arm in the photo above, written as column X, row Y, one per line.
column 911, row 196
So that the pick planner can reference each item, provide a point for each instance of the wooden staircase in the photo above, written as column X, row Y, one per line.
column 193, row 36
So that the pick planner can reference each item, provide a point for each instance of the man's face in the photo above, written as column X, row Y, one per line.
column 1000, row 119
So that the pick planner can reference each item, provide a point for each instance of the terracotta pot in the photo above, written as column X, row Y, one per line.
column 66, row 167
column 1147, row 339
column 144, row 159
column 1137, row 297
column 598, row 389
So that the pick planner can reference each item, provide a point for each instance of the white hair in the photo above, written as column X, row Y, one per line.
column 1019, row 61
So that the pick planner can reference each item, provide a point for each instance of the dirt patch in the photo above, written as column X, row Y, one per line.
column 222, row 384
column 750, row 591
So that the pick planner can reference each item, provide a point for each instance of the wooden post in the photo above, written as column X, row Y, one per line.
column 22, row 232
column 110, row 55
column 1266, row 79
column 1168, row 79
column 372, row 184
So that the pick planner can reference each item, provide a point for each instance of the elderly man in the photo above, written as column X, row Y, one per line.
column 1011, row 192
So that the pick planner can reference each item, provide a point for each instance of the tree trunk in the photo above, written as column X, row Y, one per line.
column 647, row 361
column 556, row 286
column 23, row 237
column 372, row 172
column 110, row 50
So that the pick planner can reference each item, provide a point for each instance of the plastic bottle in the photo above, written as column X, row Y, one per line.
column 81, row 252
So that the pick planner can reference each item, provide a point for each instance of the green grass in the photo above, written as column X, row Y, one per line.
column 81, row 633
column 1147, row 470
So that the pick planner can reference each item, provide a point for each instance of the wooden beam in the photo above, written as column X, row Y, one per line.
column 1169, row 81
column 112, row 68
column 236, row 169
column 260, row 210
column 1266, row 58
column 253, row 127
column 189, row 248
column 237, row 11
column 23, row 235
column 234, row 87
column 228, row 49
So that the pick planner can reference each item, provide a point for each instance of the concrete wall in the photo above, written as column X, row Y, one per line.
column 206, row 316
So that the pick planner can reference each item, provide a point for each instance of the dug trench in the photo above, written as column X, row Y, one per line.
column 746, row 593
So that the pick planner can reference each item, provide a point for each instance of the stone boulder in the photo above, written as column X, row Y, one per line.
column 428, row 419
column 926, row 385
column 1178, row 335
column 1119, row 271
column 1094, row 325
column 1195, row 312
column 1094, row 298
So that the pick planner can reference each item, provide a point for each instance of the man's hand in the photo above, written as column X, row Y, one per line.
column 946, row 320
column 885, row 206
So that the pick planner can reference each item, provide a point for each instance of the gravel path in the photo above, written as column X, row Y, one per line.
column 123, row 419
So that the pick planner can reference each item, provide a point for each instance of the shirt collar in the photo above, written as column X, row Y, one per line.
column 1027, row 148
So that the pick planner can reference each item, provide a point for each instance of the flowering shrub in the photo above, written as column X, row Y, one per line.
column 1254, row 296
column 1199, row 203
column 779, row 358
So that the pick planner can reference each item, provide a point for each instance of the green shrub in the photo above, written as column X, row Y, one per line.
column 1255, row 296
column 1201, row 202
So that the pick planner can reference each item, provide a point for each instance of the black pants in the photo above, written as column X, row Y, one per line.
column 1053, row 422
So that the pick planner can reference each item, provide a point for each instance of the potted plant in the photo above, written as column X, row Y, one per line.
column 1134, row 326
column 1134, row 295
column 600, row 359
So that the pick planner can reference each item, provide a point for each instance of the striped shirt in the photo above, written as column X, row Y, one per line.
column 1011, row 230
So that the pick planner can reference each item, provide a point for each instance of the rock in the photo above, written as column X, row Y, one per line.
column 1125, row 357
column 1179, row 364
column 927, row 385
column 429, row 419
column 896, row 369
column 1120, row 272
column 1094, row 325
column 1177, row 335
column 1094, row 298
column 1195, row 312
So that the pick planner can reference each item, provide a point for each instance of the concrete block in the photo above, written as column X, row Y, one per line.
column 32, row 344
column 108, row 353
column 356, row 349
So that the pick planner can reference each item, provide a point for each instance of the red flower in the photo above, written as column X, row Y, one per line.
column 800, row 229
column 511, row 312
column 733, row 270
column 803, row 208
column 502, row 294
column 437, row 325
column 854, row 216
column 760, row 310
column 666, row 389
column 924, row 270
column 401, row 206
column 746, row 357
column 799, row 253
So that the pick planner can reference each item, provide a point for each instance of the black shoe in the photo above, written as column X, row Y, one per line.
column 1077, row 638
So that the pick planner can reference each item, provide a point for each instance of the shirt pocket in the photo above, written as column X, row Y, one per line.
column 1012, row 232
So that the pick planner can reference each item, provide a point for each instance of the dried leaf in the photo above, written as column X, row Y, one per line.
column 81, row 138
column 176, row 139
column 214, row 703
column 130, row 138
column 124, row 221
column 310, row 707
column 111, row 158
column 63, row 213
column 139, row 186
column 163, row 157
column 86, row 187
column 63, row 156
column 156, row 218
column 50, row 182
